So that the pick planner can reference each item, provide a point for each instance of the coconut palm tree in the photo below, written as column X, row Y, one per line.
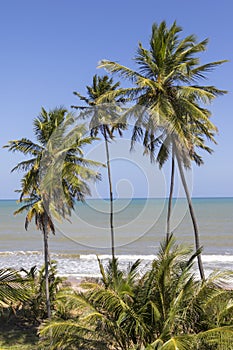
column 167, row 84
column 103, row 111
column 163, row 308
column 56, row 174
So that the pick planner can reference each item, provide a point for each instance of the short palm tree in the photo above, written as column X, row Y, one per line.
column 55, row 174
column 103, row 111
column 161, row 309
column 34, row 308
column 167, row 85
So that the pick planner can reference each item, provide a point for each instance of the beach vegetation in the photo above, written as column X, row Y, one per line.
column 34, row 308
column 13, row 288
column 166, row 307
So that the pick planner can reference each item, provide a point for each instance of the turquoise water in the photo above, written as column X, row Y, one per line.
column 139, row 227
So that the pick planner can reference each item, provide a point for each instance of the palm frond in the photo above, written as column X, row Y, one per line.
column 123, row 71
column 13, row 287
column 199, row 72
column 25, row 165
column 24, row 146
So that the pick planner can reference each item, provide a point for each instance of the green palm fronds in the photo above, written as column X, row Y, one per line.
column 166, row 83
column 166, row 77
column 56, row 176
column 103, row 110
column 13, row 287
column 164, row 307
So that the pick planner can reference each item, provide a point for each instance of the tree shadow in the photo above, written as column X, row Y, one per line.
column 16, row 332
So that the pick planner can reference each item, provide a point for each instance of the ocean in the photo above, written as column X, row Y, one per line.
column 140, row 226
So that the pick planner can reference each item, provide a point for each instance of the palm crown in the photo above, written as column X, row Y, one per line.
column 59, row 147
column 102, row 106
column 166, row 84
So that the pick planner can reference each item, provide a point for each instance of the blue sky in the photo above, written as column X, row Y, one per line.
column 50, row 48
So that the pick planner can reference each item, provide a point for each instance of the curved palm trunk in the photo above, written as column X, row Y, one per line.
column 170, row 196
column 194, row 221
column 46, row 263
column 110, row 197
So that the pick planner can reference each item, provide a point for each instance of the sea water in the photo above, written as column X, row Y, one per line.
column 139, row 227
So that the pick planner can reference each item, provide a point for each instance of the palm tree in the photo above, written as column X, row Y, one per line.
column 167, row 84
column 55, row 175
column 163, row 308
column 103, row 110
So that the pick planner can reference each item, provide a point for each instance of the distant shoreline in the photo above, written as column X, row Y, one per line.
column 139, row 198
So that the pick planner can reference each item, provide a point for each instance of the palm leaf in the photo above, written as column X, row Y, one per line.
column 13, row 287
column 25, row 146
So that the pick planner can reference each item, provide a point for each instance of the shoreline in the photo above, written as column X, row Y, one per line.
column 79, row 267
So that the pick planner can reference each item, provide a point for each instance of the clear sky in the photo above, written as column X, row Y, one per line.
column 50, row 48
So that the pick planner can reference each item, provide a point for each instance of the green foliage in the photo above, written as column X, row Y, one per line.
column 56, row 174
column 103, row 107
column 13, row 287
column 164, row 308
column 34, row 309
column 169, row 102
column 167, row 84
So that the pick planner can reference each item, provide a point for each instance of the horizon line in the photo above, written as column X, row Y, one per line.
column 107, row 198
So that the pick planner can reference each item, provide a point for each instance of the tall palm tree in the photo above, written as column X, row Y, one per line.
column 167, row 84
column 103, row 111
column 56, row 174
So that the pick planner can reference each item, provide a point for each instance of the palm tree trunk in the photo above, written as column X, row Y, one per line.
column 110, row 197
column 46, row 263
column 170, row 196
column 194, row 221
